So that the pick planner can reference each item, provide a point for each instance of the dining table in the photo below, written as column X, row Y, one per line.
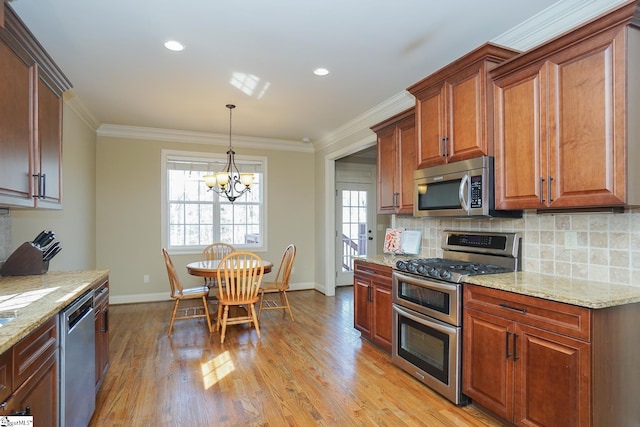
column 209, row 268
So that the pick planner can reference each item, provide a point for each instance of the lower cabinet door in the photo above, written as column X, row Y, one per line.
column 488, row 361
column 552, row 379
column 38, row 395
column 382, row 315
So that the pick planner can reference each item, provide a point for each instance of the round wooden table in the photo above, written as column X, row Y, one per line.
column 210, row 268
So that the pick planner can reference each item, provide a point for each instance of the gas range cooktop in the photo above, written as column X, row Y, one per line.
column 447, row 269
column 468, row 253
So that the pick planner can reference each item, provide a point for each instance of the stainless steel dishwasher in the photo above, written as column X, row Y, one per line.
column 77, row 362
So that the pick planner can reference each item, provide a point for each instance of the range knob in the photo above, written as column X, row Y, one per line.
column 401, row 265
column 445, row 274
column 433, row 272
column 423, row 269
column 412, row 267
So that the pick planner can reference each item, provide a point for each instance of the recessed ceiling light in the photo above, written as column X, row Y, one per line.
column 174, row 45
column 320, row 71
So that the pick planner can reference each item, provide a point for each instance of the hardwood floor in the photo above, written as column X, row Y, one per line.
column 314, row 371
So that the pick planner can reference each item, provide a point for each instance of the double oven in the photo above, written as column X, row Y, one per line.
column 427, row 305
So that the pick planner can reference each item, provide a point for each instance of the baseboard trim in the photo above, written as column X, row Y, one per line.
column 164, row 296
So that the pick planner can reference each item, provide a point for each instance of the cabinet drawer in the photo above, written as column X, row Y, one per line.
column 369, row 269
column 31, row 353
column 565, row 319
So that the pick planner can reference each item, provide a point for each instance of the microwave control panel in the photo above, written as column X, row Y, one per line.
column 476, row 191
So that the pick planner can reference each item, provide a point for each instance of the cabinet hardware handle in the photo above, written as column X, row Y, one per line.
column 507, row 344
column 395, row 200
column 43, row 195
column 515, row 355
column 106, row 321
column 443, row 146
column 541, row 190
column 521, row 310
column 26, row 411
column 38, row 185
column 549, row 189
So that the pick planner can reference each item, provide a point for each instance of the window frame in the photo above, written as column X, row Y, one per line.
column 205, row 157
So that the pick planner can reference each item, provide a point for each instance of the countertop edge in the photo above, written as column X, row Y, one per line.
column 49, row 293
column 578, row 292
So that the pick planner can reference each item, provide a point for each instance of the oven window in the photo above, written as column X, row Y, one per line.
column 425, row 297
column 440, row 195
column 424, row 347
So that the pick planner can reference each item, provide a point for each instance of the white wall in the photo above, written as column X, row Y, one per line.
column 75, row 224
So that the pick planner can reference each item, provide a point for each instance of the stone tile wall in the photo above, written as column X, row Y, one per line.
column 5, row 235
column 608, row 244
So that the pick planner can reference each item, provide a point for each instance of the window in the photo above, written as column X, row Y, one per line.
column 195, row 217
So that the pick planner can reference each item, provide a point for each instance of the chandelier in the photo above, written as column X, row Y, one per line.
column 229, row 183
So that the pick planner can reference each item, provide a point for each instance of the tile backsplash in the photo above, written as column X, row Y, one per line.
column 596, row 246
column 5, row 235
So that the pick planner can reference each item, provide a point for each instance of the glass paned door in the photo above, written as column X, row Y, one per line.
column 354, row 232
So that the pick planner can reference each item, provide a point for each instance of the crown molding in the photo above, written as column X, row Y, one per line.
column 391, row 106
column 553, row 21
column 204, row 138
column 80, row 110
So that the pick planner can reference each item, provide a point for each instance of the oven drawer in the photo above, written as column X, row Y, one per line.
column 565, row 319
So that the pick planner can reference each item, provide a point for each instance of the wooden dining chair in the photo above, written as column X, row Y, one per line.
column 215, row 252
column 178, row 293
column 280, row 285
column 241, row 273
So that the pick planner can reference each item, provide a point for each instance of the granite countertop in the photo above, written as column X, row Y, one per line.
column 35, row 299
column 583, row 293
column 387, row 260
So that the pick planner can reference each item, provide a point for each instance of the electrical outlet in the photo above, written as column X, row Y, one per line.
column 146, row 278
column 570, row 240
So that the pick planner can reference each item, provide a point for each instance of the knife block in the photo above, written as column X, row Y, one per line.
column 25, row 261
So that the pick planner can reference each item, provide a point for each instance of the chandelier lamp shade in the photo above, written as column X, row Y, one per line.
column 229, row 183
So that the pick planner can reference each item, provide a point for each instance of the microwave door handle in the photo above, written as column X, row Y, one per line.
column 463, row 191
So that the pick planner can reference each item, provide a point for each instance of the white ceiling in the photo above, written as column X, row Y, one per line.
column 112, row 51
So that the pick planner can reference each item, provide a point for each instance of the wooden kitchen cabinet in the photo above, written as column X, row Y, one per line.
column 536, row 362
column 565, row 116
column 101, row 310
column 396, row 154
column 454, row 108
column 372, row 302
column 35, row 376
column 31, row 110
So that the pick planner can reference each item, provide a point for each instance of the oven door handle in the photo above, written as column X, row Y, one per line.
column 425, row 320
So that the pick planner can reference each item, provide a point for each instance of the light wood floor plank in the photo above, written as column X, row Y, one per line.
column 316, row 371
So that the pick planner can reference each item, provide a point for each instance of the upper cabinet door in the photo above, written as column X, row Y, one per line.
column 396, row 162
column 561, row 126
column 431, row 123
column 519, row 149
column 49, row 144
column 386, row 155
column 454, row 112
column 16, row 113
column 406, row 157
column 465, row 107
column 587, row 111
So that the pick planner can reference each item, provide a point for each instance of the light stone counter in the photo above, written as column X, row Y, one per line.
column 582, row 293
column 387, row 260
column 35, row 299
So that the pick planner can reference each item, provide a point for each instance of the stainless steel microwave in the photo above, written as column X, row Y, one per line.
column 463, row 189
